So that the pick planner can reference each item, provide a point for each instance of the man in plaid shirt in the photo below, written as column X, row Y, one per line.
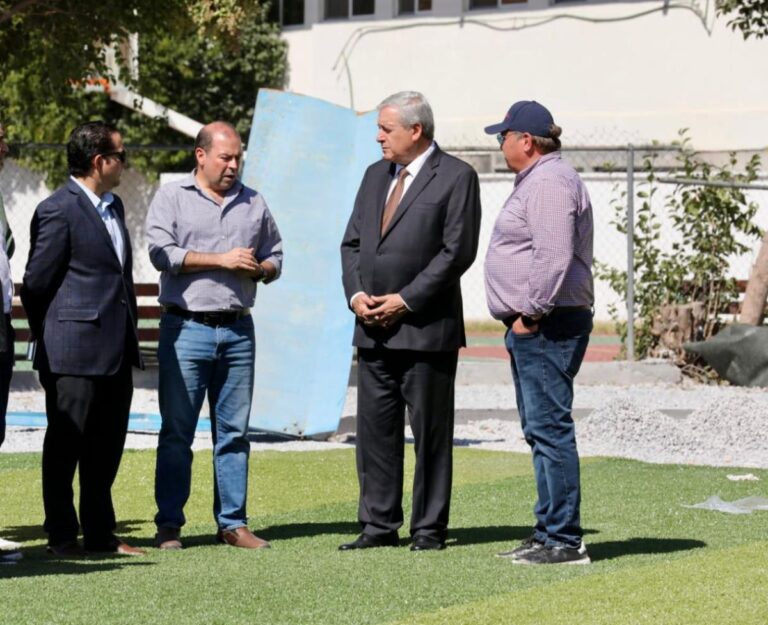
column 538, row 281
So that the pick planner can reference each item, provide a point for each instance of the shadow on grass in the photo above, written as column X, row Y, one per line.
column 637, row 546
column 37, row 562
column 461, row 536
column 307, row 530
column 274, row 532
column 28, row 533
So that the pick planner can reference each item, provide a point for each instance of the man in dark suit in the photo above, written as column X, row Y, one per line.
column 79, row 297
column 412, row 234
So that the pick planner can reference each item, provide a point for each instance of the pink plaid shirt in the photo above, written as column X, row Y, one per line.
column 540, row 254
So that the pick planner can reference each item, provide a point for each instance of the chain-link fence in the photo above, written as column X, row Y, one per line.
column 22, row 187
column 611, row 174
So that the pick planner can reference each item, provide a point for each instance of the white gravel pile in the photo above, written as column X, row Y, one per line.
column 734, row 432
column 623, row 428
column 495, row 434
column 729, row 431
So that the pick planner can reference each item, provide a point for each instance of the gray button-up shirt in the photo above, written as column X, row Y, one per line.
column 183, row 218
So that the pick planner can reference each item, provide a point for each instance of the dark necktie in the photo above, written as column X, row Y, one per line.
column 394, row 200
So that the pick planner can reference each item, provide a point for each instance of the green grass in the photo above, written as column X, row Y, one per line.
column 654, row 561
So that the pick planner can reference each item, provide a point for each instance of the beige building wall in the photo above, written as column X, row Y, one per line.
column 635, row 78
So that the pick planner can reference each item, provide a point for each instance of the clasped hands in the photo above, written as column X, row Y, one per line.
column 379, row 310
column 242, row 261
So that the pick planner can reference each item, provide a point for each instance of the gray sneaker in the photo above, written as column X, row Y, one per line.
column 529, row 545
column 555, row 555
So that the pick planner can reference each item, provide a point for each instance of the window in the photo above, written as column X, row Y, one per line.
column 409, row 7
column 492, row 4
column 287, row 12
column 342, row 9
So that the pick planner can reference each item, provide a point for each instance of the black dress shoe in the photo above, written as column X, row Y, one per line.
column 368, row 541
column 425, row 543
column 69, row 550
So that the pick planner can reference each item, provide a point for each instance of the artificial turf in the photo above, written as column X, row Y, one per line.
column 654, row 560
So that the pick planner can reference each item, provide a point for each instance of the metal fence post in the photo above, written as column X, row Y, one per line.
column 630, row 252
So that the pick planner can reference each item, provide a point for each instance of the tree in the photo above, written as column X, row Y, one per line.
column 748, row 16
column 67, row 37
column 751, row 18
column 681, row 290
column 205, row 58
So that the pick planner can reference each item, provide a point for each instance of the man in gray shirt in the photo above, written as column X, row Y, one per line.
column 213, row 239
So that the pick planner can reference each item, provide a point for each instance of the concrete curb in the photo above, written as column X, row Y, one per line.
column 617, row 373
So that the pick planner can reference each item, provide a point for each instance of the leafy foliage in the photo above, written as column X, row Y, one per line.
column 748, row 16
column 208, row 64
column 711, row 224
column 68, row 37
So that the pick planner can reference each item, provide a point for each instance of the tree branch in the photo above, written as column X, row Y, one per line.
column 22, row 6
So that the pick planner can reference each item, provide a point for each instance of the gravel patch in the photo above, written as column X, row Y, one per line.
column 726, row 426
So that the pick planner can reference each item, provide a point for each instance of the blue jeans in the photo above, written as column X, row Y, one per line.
column 195, row 358
column 544, row 364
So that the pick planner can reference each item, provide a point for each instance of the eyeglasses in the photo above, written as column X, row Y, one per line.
column 122, row 155
column 502, row 136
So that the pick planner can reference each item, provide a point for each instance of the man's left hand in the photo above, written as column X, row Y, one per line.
column 518, row 327
column 387, row 310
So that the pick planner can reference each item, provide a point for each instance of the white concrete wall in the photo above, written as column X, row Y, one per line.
column 636, row 79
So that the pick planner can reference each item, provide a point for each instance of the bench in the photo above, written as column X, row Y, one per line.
column 149, row 323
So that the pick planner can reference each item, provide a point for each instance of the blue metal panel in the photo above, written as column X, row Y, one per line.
column 307, row 158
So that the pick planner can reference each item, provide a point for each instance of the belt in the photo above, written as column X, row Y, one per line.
column 211, row 318
column 508, row 321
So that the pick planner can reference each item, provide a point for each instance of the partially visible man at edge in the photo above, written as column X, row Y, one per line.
column 538, row 277
column 80, row 301
column 213, row 239
column 9, row 550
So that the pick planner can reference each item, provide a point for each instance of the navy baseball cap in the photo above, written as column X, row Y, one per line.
column 525, row 116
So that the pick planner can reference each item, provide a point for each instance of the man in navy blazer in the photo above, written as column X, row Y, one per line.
column 412, row 234
column 79, row 296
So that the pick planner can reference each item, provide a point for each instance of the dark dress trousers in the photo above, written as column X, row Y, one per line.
column 430, row 242
column 81, row 306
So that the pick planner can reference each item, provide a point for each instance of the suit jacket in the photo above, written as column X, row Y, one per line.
column 430, row 242
column 80, row 301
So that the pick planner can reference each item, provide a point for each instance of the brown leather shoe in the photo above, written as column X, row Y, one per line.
column 168, row 538
column 66, row 551
column 118, row 546
column 125, row 549
column 241, row 537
